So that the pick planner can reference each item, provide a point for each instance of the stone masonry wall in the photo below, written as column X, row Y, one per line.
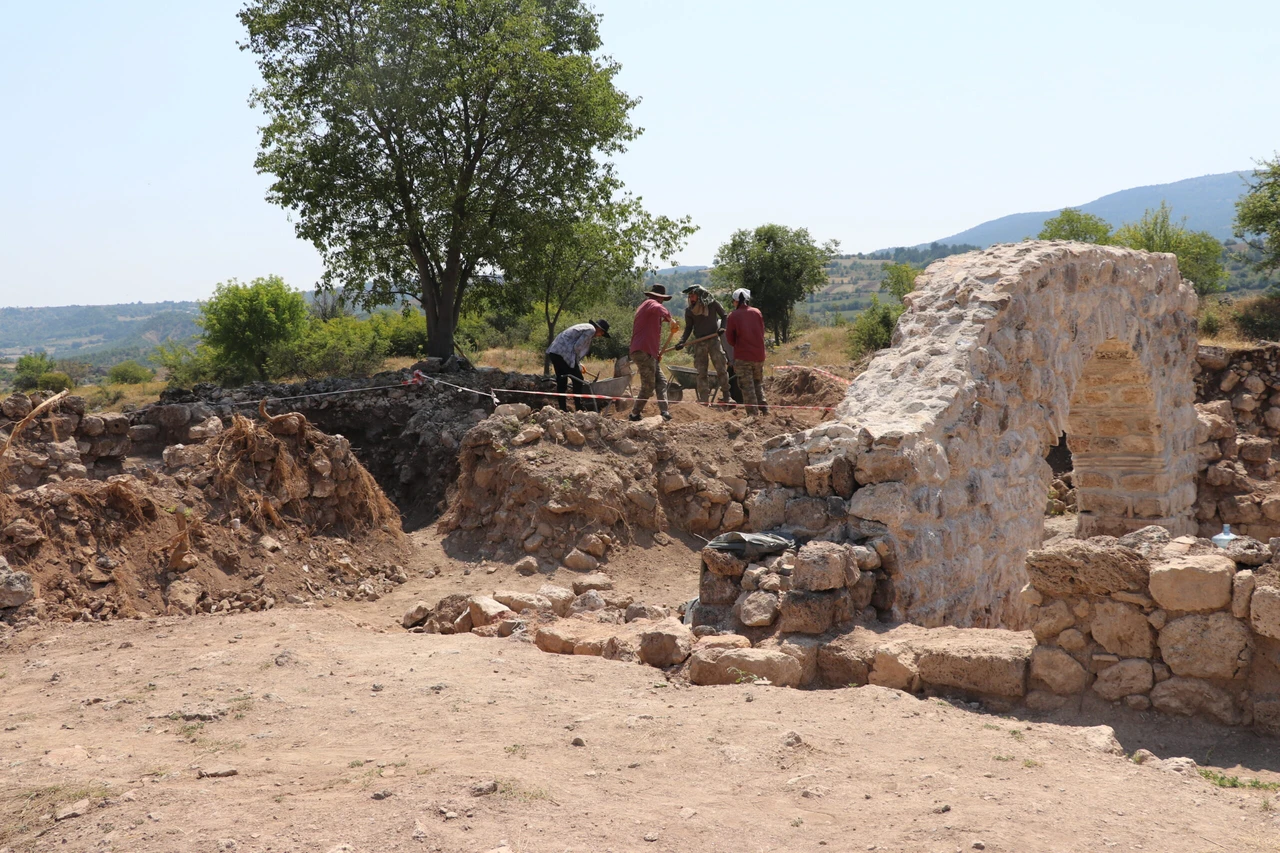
column 939, row 448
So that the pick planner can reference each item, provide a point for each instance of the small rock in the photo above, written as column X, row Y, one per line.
column 480, row 789
column 792, row 739
column 578, row 742
column 76, row 809
column 527, row 566
column 978, row 845
column 651, row 836
column 381, row 795
column 270, row 543
column 218, row 771
column 580, row 561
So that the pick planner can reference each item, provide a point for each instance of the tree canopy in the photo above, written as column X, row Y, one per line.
column 243, row 323
column 900, row 279
column 1199, row 252
column 779, row 265
column 417, row 141
column 1074, row 224
column 1258, row 214
column 569, row 263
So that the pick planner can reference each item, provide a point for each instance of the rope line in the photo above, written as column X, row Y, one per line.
column 419, row 378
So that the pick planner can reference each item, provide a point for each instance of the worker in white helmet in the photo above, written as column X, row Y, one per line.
column 744, row 332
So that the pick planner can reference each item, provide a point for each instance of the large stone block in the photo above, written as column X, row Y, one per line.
column 1126, row 678
column 1081, row 567
column 819, row 566
column 756, row 609
column 1193, row 583
column 785, row 465
column 1264, row 611
column 845, row 661
column 1122, row 629
column 806, row 612
column 1206, row 646
column 767, row 509
column 1059, row 671
column 717, row 590
column 737, row 666
column 1191, row 697
column 666, row 644
column 976, row 659
column 1051, row 620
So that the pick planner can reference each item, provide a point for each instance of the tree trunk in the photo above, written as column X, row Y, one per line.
column 442, row 316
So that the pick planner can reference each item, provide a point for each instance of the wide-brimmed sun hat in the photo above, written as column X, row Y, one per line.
column 658, row 292
column 602, row 325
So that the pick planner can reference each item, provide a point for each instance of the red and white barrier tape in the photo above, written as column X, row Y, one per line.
column 670, row 402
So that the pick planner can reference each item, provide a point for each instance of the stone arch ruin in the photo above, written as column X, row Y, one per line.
column 938, row 451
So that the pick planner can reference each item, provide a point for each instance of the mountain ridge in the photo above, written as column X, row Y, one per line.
column 1207, row 202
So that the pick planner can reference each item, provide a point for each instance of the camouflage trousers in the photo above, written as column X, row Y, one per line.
column 651, row 379
column 710, row 351
column 751, row 381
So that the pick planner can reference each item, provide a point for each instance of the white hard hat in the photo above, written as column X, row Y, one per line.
column 741, row 293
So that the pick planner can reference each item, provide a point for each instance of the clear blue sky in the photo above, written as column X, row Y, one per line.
column 127, row 142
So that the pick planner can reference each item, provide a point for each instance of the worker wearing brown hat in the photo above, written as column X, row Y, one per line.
column 646, row 349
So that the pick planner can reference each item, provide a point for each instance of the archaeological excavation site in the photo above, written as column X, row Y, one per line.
column 1012, row 520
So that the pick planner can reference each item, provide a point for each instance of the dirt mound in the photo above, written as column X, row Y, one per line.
column 798, row 385
column 230, row 523
column 538, row 482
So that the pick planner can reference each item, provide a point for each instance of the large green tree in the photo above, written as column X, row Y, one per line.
column 1199, row 252
column 779, row 265
column 1073, row 224
column 570, row 262
column 244, row 323
column 416, row 140
column 1258, row 213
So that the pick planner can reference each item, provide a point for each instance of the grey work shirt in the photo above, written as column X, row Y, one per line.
column 701, row 325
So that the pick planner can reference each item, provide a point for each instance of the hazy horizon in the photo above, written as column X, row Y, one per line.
column 131, row 145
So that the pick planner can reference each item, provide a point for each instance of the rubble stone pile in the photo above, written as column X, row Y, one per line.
column 407, row 436
column 536, row 482
column 1236, row 483
column 1248, row 379
column 241, row 519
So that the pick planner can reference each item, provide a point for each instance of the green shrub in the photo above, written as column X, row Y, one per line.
column 1259, row 317
column 129, row 373
column 30, row 368
column 405, row 333
column 1210, row 323
column 184, row 365
column 873, row 328
column 55, row 381
column 343, row 346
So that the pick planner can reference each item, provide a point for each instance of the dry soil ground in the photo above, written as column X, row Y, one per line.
column 348, row 734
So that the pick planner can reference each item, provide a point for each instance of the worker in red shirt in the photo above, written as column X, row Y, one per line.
column 744, row 332
column 646, row 349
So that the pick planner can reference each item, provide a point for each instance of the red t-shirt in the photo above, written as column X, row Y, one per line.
column 646, row 329
column 744, row 330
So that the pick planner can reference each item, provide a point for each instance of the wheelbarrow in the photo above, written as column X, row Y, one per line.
column 682, row 379
column 602, row 389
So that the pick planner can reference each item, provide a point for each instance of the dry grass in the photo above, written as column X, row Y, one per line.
column 23, row 810
column 112, row 398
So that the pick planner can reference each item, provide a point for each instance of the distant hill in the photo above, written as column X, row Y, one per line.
column 1208, row 203
column 96, row 332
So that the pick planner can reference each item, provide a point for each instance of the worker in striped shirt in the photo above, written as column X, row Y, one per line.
column 567, row 352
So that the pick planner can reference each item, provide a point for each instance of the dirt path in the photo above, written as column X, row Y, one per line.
column 317, row 716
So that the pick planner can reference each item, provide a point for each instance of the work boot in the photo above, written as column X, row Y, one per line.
column 634, row 416
column 666, row 416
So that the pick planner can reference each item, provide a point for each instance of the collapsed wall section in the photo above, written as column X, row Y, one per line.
column 939, row 447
